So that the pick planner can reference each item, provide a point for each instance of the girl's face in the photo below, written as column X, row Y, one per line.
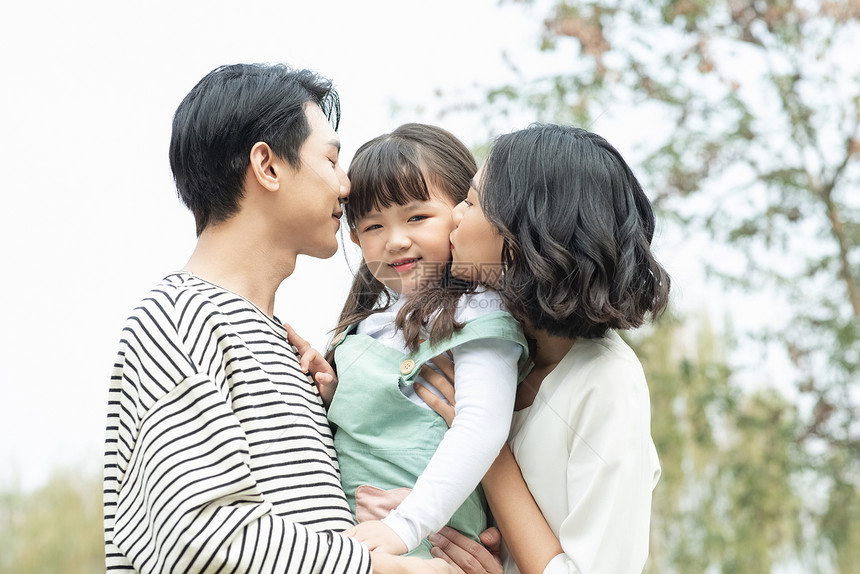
column 476, row 245
column 406, row 246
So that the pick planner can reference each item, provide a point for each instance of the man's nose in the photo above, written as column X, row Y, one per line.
column 343, row 192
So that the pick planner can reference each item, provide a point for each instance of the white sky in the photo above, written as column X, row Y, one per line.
column 91, row 220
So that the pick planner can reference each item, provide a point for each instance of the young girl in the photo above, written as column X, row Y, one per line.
column 404, row 475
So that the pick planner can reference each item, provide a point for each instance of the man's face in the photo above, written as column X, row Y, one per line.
column 311, row 204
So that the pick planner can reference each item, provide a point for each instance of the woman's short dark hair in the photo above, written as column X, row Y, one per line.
column 224, row 115
column 577, row 231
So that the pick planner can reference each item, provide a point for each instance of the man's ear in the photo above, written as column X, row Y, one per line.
column 354, row 236
column 264, row 166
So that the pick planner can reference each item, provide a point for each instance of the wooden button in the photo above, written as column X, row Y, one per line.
column 338, row 338
column 407, row 366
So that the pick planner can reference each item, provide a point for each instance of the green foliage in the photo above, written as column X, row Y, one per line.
column 57, row 528
column 725, row 499
column 841, row 525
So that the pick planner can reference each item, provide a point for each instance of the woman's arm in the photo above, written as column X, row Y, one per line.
column 524, row 529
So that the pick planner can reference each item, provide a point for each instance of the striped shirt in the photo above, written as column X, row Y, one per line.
column 218, row 455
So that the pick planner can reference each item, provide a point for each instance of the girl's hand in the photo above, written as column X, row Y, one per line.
column 443, row 383
column 466, row 554
column 377, row 536
column 313, row 363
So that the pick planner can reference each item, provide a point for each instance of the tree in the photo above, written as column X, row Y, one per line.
column 56, row 528
column 755, row 139
column 725, row 499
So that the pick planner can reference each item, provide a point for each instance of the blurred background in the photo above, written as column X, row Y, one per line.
column 740, row 117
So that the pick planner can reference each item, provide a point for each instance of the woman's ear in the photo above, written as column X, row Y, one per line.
column 265, row 167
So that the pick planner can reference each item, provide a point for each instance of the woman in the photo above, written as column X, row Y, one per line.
column 557, row 222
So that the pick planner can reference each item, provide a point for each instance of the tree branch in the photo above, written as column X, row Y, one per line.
column 837, row 229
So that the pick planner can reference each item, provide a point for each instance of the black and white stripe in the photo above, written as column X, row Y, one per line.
column 218, row 453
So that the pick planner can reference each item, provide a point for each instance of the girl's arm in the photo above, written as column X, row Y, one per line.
column 523, row 527
column 486, row 384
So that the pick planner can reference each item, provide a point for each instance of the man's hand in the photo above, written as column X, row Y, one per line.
column 313, row 364
column 453, row 554
column 377, row 536
column 466, row 555
column 443, row 383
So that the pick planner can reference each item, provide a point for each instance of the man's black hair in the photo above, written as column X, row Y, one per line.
column 225, row 115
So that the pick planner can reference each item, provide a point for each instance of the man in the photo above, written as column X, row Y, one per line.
column 218, row 453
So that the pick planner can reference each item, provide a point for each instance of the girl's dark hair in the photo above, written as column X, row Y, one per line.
column 224, row 115
column 577, row 230
column 395, row 169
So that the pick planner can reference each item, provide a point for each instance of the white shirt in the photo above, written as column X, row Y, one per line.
column 584, row 448
column 486, row 373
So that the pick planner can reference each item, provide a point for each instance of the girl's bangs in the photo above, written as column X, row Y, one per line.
column 385, row 175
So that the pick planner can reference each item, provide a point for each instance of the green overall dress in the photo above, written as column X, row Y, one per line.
column 385, row 440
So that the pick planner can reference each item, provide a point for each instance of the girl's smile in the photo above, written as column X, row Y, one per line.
column 404, row 265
